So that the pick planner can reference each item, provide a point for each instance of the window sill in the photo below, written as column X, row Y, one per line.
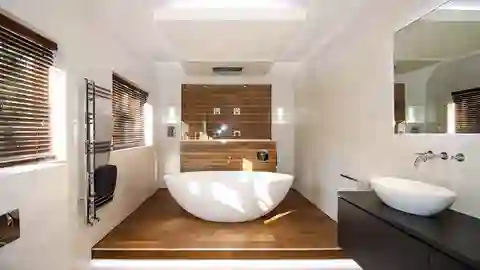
column 20, row 169
column 133, row 148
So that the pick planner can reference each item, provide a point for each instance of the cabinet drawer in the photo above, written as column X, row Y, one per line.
column 375, row 244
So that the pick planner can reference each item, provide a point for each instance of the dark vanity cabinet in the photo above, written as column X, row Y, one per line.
column 377, row 245
column 378, row 237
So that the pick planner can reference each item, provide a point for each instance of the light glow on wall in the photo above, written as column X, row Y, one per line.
column 451, row 122
column 171, row 117
column 57, row 87
column 279, row 116
column 148, row 132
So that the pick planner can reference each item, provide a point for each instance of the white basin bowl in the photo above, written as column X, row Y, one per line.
column 413, row 197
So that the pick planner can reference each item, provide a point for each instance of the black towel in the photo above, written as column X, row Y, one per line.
column 105, row 183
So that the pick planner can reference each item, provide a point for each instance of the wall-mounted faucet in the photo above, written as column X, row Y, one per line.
column 429, row 155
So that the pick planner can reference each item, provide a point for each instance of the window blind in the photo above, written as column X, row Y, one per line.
column 24, row 102
column 467, row 111
column 128, row 102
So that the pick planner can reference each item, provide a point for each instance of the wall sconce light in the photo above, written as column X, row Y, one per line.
column 237, row 133
column 217, row 111
column 280, row 116
column 237, row 111
column 171, row 117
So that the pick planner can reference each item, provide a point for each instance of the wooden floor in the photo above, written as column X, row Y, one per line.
column 160, row 229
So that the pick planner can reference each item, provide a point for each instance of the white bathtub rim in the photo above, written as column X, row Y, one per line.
column 170, row 175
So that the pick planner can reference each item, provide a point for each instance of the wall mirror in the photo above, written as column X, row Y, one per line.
column 437, row 71
column 211, row 112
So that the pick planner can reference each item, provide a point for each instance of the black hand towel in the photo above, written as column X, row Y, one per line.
column 105, row 183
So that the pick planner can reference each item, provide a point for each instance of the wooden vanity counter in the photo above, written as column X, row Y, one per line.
column 227, row 155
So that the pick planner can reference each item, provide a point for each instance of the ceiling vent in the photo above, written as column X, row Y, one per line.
column 227, row 70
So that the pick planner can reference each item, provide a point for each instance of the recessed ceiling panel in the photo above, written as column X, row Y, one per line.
column 230, row 40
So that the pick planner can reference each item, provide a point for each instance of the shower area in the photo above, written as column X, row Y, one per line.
column 228, row 199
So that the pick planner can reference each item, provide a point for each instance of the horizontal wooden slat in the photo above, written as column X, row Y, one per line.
column 15, row 58
column 17, row 69
column 21, row 54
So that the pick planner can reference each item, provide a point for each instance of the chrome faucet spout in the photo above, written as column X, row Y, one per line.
column 421, row 157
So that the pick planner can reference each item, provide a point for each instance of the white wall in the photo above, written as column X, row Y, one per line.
column 416, row 85
column 54, row 234
column 344, row 117
column 167, row 111
column 170, row 77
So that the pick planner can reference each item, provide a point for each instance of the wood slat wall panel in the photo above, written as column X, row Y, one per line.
column 254, row 101
column 213, row 155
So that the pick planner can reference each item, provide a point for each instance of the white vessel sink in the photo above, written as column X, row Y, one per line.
column 413, row 197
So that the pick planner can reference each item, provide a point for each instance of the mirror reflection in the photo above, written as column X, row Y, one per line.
column 437, row 78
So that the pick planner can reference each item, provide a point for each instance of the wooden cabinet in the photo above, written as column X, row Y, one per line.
column 377, row 245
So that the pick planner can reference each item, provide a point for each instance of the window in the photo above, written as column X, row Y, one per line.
column 128, row 102
column 467, row 111
column 25, row 61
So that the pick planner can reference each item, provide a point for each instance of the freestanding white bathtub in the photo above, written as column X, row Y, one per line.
column 228, row 196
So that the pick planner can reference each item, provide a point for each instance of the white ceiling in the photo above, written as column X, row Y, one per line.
column 229, row 40
column 246, row 37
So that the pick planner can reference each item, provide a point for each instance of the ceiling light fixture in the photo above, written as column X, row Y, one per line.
column 228, row 10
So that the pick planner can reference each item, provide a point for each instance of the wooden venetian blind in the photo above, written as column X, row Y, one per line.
column 128, row 116
column 467, row 110
column 25, row 60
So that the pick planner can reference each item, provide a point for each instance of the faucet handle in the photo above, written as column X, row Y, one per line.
column 459, row 157
column 444, row 156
